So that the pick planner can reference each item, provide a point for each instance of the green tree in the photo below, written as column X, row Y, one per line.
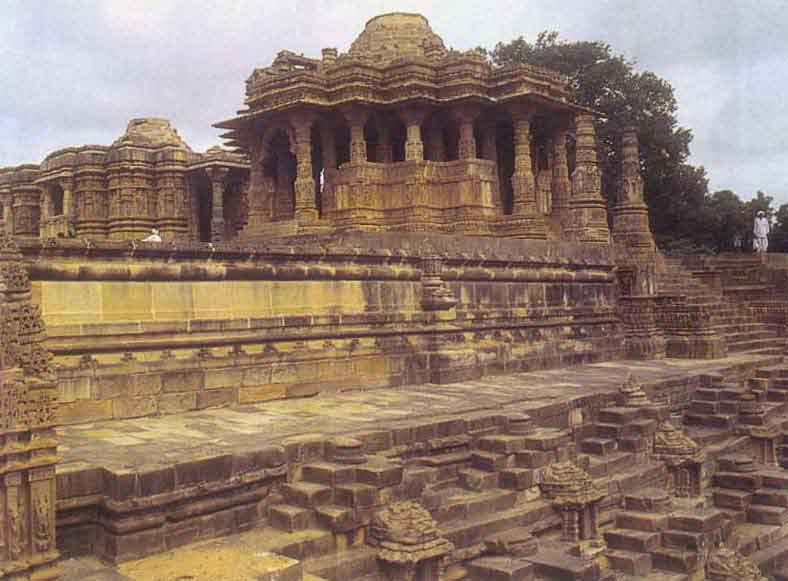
column 725, row 218
column 779, row 238
column 608, row 83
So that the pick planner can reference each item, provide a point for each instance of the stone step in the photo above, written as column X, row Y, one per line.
column 500, row 569
column 701, row 520
column 600, row 466
column 342, row 518
column 289, row 518
column 307, row 494
column 356, row 495
column 731, row 498
column 502, row 444
column 491, row 461
column 767, row 515
column 328, row 474
column 774, row 479
column 747, row 481
column 641, row 521
column 702, row 407
column 683, row 540
column 350, row 564
column 725, row 421
column 598, row 446
column 477, row 480
column 469, row 505
column 518, row 478
column 632, row 540
column 554, row 564
column 471, row 531
column 629, row 562
column 674, row 560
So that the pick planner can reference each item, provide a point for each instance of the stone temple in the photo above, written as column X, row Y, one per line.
column 393, row 330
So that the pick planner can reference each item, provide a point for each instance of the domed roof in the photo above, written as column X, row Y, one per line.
column 397, row 35
column 150, row 132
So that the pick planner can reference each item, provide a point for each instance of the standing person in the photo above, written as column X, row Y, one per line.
column 761, row 232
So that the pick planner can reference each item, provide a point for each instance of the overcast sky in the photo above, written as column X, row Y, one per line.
column 74, row 71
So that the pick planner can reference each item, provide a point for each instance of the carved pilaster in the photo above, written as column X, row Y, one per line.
column 217, row 175
column 588, row 221
column 435, row 144
column 466, row 146
column 384, row 152
column 356, row 118
column 8, row 215
column 328, row 148
column 561, row 185
column 305, row 200
column 414, row 146
column 260, row 187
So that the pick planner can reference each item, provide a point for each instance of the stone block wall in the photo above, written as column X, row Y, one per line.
column 151, row 329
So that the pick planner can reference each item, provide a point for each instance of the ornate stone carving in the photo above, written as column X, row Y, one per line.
column 435, row 296
column 726, row 564
column 632, row 394
column 410, row 543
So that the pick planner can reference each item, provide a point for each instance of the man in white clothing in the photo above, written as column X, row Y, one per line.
column 761, row 232
column 153, row 237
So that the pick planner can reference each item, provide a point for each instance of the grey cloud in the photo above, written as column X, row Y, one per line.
column 76, row 70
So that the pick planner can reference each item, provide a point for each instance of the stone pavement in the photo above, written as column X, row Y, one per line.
column 148, row 442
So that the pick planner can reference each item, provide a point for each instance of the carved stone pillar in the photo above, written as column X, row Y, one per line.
column 523, row 182
column 305, row 199
column 259, row 188
column 217, row 175
column 356, row 118
column 466, row 145
column 68, row 198
column 414, row 146
column 435, row 144
column 8, row 215
column 630, row 213
column 384, row 151
column 489, row 144
column 588, row 222
column 27, row 209
column 46, row 205
column 561, row 186
column 328, row 148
